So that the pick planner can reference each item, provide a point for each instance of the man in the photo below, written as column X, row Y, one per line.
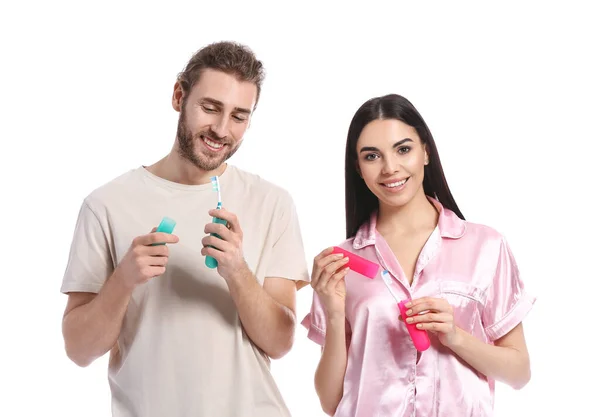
column 184, row 339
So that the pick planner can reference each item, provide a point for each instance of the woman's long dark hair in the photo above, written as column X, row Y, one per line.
column 360, row 201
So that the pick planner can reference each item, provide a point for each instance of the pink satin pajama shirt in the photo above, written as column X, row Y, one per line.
column 468, row 264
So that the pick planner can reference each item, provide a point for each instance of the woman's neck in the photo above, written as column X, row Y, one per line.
column 418, row 214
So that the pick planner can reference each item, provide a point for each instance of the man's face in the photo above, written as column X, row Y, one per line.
column 213, row 118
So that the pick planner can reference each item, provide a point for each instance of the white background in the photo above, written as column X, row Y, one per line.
column 510, row 93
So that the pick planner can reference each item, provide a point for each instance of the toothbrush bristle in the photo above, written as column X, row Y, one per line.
column 215, row 183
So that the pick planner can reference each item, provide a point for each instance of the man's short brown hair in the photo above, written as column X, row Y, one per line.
column 229, row 57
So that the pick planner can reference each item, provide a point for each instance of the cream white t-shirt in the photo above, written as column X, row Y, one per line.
column 182, row 350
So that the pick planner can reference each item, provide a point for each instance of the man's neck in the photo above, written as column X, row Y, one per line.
column 177, row 169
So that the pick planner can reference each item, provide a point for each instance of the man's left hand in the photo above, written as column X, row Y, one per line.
column 227, row 250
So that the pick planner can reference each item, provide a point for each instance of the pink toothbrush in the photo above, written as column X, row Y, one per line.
column 419, row 337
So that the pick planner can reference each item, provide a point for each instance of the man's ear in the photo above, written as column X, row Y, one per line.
column 177, row 100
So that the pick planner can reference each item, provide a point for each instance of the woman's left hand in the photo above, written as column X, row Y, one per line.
column 435, row 315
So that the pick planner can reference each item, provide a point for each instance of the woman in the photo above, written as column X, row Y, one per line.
column 461, row 279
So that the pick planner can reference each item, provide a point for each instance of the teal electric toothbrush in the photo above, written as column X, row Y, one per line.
column 210, row 261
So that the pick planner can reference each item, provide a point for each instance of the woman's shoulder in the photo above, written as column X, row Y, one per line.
column 347, row 244
column 483, row 233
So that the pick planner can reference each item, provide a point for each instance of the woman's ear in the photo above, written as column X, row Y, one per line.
column 358, row 169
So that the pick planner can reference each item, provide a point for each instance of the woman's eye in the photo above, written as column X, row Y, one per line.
column 404, row 149
column 371, row 157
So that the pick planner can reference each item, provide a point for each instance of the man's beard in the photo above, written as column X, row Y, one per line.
column 205, row 162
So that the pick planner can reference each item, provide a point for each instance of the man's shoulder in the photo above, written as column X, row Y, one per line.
column 261, row 187
column 114, row 189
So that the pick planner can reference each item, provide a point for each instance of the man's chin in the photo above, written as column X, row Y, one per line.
column 206, row 163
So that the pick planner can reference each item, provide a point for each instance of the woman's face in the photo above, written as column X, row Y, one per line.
column 391, row 161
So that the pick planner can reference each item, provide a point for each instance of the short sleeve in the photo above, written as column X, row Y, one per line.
column 288, row 258
column 507, row 302
column 90, row 262
column 316, row 322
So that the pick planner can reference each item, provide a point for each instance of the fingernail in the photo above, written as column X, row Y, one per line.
column 420, row 326
column 407, row 305
column 409, row 312
column 410, row 320
column 339, row 255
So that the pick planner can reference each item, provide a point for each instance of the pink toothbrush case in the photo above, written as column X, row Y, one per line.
column 358, row 263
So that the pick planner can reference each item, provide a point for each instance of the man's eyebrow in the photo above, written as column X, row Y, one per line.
column 220, row 104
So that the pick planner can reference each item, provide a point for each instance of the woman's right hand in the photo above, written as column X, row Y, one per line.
column 327, row 280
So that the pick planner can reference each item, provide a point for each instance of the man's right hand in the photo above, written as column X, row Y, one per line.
column 143, row 261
